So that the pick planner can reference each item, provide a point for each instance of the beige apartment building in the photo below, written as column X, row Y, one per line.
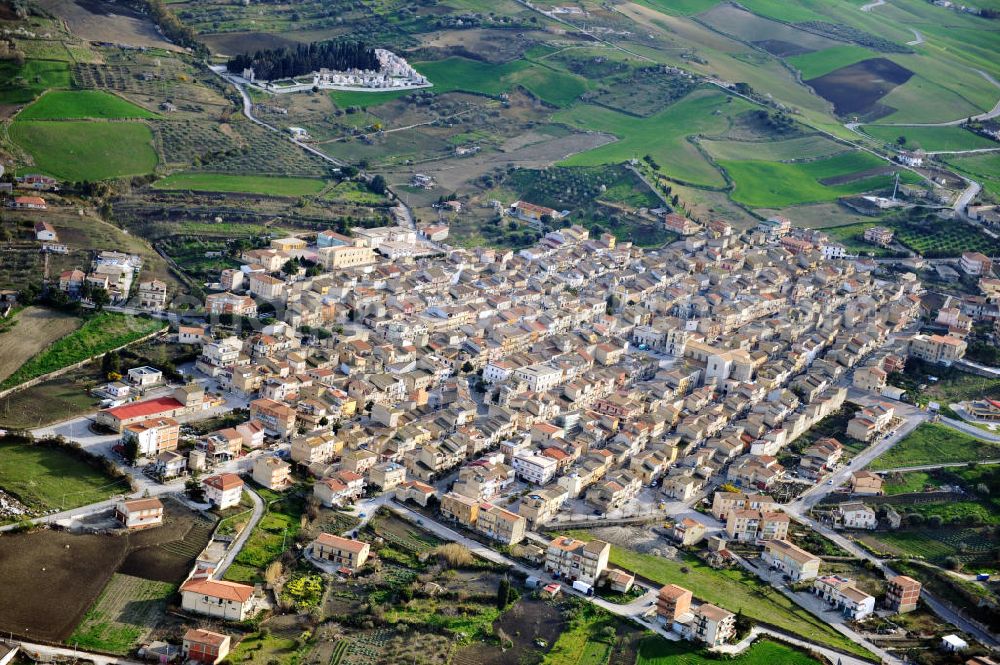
column 576, row 560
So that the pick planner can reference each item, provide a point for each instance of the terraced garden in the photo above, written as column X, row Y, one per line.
column 127, row 609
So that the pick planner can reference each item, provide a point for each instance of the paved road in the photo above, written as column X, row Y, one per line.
column 872, row 5
column 43, row 652
column 258, row 512
column 930, row 467
column 972, row 430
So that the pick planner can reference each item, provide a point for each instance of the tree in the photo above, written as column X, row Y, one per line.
column 131, row 451
column 467, row 367
column 378, row 185
column 901, row 140
column 100, row 298
column 111, row 364
column 503, row 593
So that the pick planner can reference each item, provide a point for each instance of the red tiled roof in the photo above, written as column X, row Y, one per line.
column 149, row 407
column 219, row 589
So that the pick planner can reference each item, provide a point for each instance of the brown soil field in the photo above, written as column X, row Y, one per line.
column 33, row 329
column 97, row 21
column 857, row 88
column 44, row 565
column 528, row 620
column 51, row 578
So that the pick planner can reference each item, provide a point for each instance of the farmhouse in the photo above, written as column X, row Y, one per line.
column 349, row 555
column 879, row 235
column 217, row 598
column 534, row 214
column 45, row 231
column 28, row 203
column 139, row 513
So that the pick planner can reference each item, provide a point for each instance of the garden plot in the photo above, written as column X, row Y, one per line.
column 126, row 611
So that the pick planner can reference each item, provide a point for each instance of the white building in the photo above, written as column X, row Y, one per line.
column 535, row 468
column 224, row 490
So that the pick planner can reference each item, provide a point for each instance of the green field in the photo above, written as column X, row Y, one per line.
column 84, row 150
column 248, row 184
column 99, row 333
column 816, row 64
column 82, row 104
column 984, row 167
column 658, row 651
column 776, row 185
column 732, row 589
column 456, row 73
column 933, row 443
column 662, row 135
column 22, row 83
column 46, row 477
column 363, row 99
column 124, row 612
column 800, row 147
column 931, row 139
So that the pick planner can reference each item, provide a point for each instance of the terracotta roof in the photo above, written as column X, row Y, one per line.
column 219, row 589
column 224, row 481
column 340, row 543
column 205, row 637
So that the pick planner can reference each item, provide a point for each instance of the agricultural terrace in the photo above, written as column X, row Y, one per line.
column 20, row 83
column 86, row 150
column 778, row 184
column 657, row 651
column 83, row 104
column 931, row 139
column 46, row 477
column 98, row 334
column 244, row 184
column 733, row 589
column 934, row 443
column 601, row 198
column 662, row 135
column 125, row 612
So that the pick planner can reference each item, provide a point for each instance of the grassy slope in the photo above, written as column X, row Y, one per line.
column 731, row 589
column 816, row 64
column 98, row 334
column 221, row 182
column 657, row 651
column 932, row 138
column 78, row 151
column 985, row 168
column 800, row 147
column 22, row 83
column 935, row 443
column 44, row 478
column 81, row 104
column 774, row 185
column 662, row 135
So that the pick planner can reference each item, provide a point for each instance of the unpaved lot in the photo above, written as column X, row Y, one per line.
column 33, row 329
